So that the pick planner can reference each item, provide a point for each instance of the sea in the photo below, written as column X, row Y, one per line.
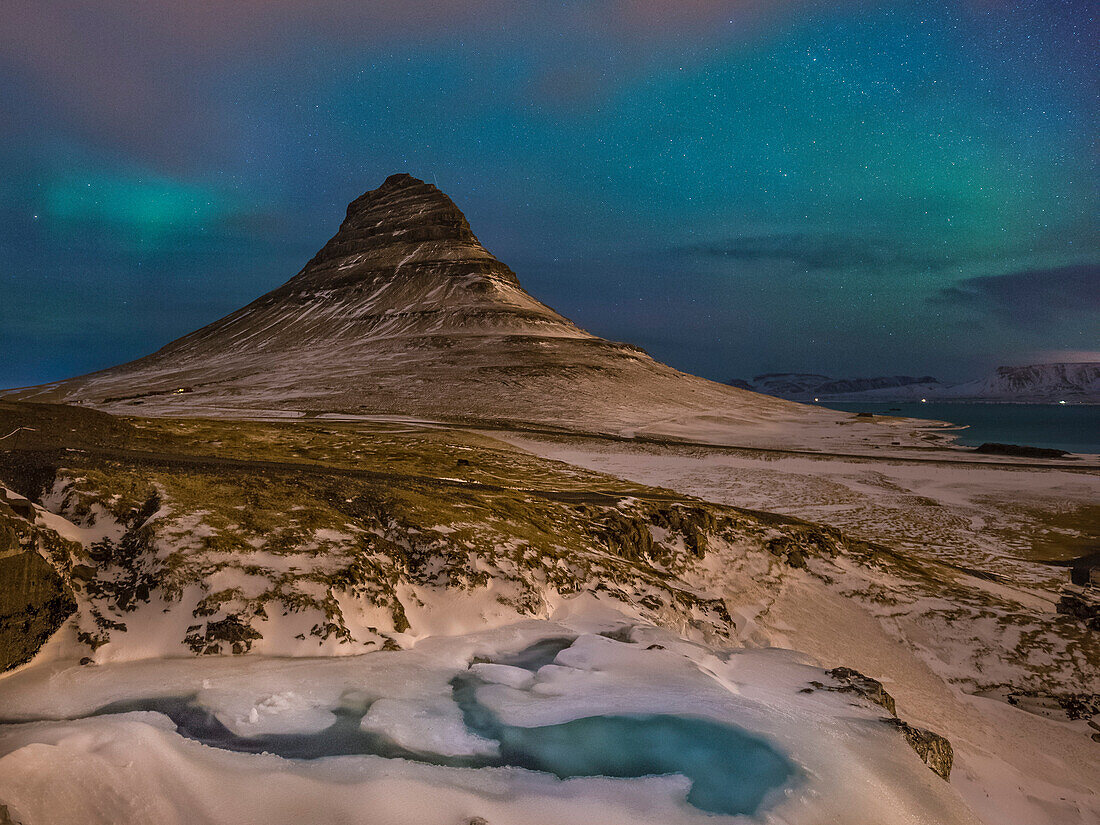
column 1071, row 427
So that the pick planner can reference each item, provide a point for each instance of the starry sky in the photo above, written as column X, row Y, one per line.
column 852, row 188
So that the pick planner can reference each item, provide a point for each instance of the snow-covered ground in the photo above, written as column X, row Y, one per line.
column 955, row 602
column 967, row 605
column 135, row 768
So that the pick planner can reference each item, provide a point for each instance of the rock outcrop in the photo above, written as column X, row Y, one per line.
column 34, row 600
column 1082, row 604
column 934, row 750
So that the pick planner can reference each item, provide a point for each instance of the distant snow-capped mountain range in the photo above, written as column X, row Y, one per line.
column 1039, row 383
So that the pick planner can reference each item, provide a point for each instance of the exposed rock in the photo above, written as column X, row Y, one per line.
column 236, row 633
column 1073, row 705
column 803, row 542
column 934, row 750
column 34, row 599
column 852, row 681
column 21, row 507
column 83, row 572
column 1082, row 604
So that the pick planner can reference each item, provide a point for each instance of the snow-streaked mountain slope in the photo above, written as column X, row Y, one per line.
column 787, row 384
column 405, row 312
column 807, row 386
column 1036, row 382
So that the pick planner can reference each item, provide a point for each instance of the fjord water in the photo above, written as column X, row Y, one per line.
column 1071, row 427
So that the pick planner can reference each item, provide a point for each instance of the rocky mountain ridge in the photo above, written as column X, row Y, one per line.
column 1078, row 382
column 807, row 386
column 1038, row 383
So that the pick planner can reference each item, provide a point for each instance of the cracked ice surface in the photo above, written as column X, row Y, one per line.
column 134, row 767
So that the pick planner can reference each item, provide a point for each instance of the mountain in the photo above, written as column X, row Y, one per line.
column 808, row 386
column 887, row 382
column 404, row 312
column 1037, row 383
column 787, row 384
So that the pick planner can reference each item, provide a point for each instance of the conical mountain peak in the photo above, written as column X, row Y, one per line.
column 404, row 311
column 404, row 269
column 403, row 210
column 406, row 204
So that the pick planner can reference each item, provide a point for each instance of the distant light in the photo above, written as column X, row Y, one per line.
column 817, row 399
column 1061, row 402
column 924, row 400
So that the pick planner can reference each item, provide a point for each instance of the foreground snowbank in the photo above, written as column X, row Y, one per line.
column 134, row 767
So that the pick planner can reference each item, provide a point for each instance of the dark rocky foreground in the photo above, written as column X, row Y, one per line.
column 34, row 599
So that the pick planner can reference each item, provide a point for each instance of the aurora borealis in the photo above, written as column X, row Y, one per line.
column 853, row 188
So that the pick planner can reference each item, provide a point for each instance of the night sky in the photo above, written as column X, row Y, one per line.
column 854, row 188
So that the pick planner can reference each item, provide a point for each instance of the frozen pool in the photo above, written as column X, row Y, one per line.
column 731, row 771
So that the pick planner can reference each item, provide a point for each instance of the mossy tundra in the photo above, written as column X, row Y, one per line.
column 328, row 531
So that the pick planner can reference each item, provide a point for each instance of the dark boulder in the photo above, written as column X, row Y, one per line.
column 34, row 599
column 852, row 681
column 934, row 750
column 233, row 632
column 1083, row 606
